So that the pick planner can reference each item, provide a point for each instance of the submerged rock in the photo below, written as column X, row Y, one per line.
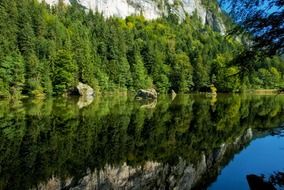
column 85, row 90
column 147, row 94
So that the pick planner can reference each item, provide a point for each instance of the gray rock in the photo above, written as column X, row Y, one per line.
column 85, row 90
column 150, row 9
column 215, row 22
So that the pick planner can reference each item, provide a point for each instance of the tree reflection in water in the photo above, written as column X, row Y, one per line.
column 181, row 143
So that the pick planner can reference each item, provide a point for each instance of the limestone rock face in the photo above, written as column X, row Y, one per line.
column 85, row 90
column 150, row 9
column 215, row 22
column 147, row 94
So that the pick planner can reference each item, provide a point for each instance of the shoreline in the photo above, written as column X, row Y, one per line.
column 131, row 93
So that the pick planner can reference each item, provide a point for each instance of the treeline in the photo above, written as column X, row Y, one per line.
column 47, row 50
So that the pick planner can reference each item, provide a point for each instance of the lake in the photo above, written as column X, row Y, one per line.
column 117, row 142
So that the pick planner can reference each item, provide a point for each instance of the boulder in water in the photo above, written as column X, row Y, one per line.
column 85, row 90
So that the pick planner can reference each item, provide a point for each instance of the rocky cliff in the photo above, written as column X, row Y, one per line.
column 150, row 9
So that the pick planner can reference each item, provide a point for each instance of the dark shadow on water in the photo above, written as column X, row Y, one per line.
column 273, row 182
column 257, row 182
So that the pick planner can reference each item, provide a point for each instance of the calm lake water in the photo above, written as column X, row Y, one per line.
column 116, row 142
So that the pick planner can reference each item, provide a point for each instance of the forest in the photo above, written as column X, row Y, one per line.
column 46, row 51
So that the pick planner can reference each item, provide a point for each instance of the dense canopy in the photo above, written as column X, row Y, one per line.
column 47, row 50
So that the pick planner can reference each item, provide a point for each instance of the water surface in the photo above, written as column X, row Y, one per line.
column 116, row 142
column 262, row 158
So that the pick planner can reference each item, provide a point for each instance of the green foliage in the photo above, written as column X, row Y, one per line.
column 64, row 72
column 181, row 76
column 139, row 73
column 12, row 76
column 52, row 48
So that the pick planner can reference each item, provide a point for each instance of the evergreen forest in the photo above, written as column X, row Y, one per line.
column 46, row 50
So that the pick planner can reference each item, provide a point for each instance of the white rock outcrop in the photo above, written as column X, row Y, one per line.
column 150, row 9
column 85, row 90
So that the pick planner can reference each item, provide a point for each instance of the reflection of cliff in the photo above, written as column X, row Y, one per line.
column 154, row 175
column 184, row 139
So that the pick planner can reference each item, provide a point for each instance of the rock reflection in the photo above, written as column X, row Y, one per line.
column 152, row 175
column 149, row 104
column 113, row 143
column 84, row 101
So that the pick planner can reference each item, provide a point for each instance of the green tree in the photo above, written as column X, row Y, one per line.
column 181, row 77
column 64, row 78
column 200, row 75
column 12, row 76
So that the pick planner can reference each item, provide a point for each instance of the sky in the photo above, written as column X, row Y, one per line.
column 264, row 5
